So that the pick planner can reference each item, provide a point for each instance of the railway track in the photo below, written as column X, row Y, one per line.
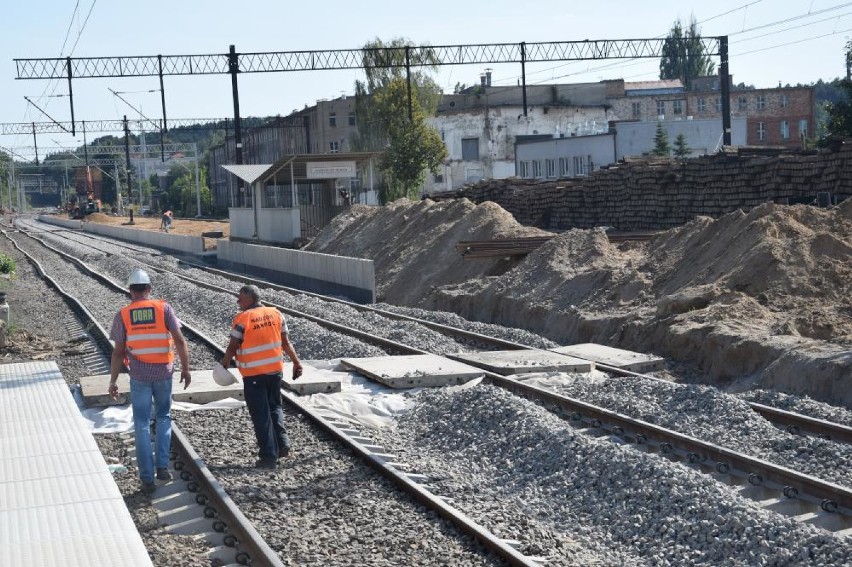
column 773, row 487
column 201, row 486
column 216, row 501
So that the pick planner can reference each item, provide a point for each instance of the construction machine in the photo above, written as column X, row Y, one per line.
column 88, row 188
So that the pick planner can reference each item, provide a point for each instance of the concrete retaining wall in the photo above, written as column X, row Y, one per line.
column 353, row 278
column 67, row 223
column 178, row 243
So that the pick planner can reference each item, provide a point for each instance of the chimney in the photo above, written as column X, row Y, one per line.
column 488, row 77
column 482, row 79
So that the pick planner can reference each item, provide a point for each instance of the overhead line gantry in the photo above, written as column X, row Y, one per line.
column 234, row 63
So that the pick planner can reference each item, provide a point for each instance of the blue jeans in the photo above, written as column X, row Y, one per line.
column 141, row 394
column 263, row 399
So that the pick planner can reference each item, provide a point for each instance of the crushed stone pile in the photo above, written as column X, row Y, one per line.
column 758, row 299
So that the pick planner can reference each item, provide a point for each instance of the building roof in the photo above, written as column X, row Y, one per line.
column 248, row 173
column 653, row 85
column 263, row 172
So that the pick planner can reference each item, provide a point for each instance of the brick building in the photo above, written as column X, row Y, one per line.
column 782, row 116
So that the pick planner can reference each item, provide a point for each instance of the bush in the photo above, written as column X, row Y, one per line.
column 7, row 264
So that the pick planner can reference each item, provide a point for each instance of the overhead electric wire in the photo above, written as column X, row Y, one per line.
column 755, row 28
column 791, row 43
column 513, row 79
column 68, row 31
column 743, row 40
column 792, row 19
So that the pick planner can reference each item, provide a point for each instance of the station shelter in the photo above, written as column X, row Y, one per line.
column 297, row 196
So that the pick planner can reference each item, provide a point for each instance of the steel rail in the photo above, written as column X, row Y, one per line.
column 246, row 534
column 796, row 422
column 830, row 496
column 257, row 550
column 446, row 329
column 793, row 422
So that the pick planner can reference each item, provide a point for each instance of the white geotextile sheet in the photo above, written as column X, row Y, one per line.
column 118, row 419
column 547, row 380
column 361, row 400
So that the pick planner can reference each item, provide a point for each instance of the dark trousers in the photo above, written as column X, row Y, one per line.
column 263, row 399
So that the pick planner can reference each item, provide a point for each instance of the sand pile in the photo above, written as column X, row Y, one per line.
column 413, row 243
column 750, row 299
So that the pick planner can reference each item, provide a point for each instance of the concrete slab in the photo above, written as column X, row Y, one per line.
column 413, row 371
column 203, row 389
column 620, row 358
column 508, row 362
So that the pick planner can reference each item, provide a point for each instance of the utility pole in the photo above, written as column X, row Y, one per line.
column 65, row 188
column 118, row 201
column 12, row 182
column 127, row 158
column 197, row 186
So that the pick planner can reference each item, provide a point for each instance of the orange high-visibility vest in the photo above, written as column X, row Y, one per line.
column 148, row 338
column 260, row 351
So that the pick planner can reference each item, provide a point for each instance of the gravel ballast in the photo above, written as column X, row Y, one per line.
column 510, row 464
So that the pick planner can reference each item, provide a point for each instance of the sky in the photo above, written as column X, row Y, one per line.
column 771, row 42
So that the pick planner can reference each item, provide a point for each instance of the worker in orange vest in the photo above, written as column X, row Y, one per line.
column 145, row 333
column 259, row 339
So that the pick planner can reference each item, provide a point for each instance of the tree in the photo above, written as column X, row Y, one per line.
column 409, row 145
column 838, row 114
column 683, row 54
column 413, row 146
column 661, row 141
column 681, row 150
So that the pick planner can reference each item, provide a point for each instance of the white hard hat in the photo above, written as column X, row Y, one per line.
column 222, row 375
column 138, row 277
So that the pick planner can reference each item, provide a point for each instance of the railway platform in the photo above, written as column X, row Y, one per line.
column 59, row 504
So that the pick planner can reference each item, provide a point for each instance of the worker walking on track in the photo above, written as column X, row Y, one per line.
column 145, row 333
column 259, row 339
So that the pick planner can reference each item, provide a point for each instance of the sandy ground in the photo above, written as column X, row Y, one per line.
column 751, row 300
column 190, row 227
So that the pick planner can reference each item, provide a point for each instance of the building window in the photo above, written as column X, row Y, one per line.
column 563, row 167
column 637, row 109
column 784, row 101
column 760, row 102
column 661, row 108
column 550, row 168
column 718, row 104
column 352, row 119
column 333, row 147
column 785, row 130
column 761, row 131
column 677, row 107
column 439, row 178
column 702, row 105
column 582, row 165
column 332, row 119
column 526, row 167
column 470, row 149
column 536, row 166
column 742, row 103
column 803, row 128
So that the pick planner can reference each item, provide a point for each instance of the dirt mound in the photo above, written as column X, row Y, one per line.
column 762, row 297
column 413, row 244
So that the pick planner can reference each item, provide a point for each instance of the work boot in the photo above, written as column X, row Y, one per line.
column 265, row 464
column 283, row 452
column 148, row 488
column 163, row 474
